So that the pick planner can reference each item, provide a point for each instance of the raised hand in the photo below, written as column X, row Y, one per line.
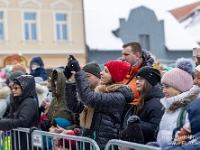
column 73, row 64
column 67, row 72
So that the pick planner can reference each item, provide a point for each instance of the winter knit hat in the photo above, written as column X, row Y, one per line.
column 198, row 68
column 19, row 67
column 76, row 132
column 118, row 69
column 62, row 122
column 133, row 131
column 180, row 77
column 152, row 75
column 15, row 74
column 93, row 68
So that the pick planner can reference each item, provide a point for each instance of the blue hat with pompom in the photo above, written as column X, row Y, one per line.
column 180, row 77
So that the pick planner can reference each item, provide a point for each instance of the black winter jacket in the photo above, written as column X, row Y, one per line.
column 25, row 110
column 151, row 114
column 108, row 107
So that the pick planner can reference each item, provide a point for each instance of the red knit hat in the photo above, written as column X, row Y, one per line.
column 118, row 69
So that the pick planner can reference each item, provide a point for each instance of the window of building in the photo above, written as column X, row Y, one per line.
column 144, row 41
column 1, row 26
column 30, row 26
column 61, row 27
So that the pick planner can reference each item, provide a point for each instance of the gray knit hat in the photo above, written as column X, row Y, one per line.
column 15, row 74
column 93, row 68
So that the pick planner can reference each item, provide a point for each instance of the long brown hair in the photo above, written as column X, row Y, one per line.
column 147, row 87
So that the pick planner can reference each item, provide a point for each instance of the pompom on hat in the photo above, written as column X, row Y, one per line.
column 180, row 77
column 118, row 69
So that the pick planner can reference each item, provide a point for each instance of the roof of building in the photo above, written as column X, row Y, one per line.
column 182, row 12
column 102, row 17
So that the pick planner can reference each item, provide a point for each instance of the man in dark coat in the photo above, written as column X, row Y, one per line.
column 24, row 112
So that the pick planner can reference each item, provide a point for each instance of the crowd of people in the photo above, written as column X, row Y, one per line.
column 128, row 100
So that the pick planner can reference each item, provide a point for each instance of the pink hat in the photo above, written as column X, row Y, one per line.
column 118, row 69
column 180, row 77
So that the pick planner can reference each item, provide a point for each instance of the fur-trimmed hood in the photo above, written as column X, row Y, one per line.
column 4, row 92
column 173, row 103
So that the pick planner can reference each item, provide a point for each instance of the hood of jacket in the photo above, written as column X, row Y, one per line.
column 155, row 92
column 58, row 74
column 148, row 59
column 27, row 84
column 38, row 60
column 181, row 100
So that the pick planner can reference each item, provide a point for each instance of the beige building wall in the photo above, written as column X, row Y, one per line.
column 53, row 52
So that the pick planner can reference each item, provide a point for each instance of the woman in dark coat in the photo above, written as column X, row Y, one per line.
column 24, row 112
column 149, row 108
column 100, row 111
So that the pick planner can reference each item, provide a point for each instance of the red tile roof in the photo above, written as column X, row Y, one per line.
column 182, row 12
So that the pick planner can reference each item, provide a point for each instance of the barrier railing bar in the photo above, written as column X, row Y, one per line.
column 116, row 142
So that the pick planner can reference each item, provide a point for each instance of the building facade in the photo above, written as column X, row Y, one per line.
column 51, row 29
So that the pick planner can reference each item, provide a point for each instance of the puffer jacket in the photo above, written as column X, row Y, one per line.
column 108, row 107
column 194, row 142
column 151, row 114
column 173, row 107
column 57, row 106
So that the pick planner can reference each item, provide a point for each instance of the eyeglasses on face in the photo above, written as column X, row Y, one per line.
column 15, row 88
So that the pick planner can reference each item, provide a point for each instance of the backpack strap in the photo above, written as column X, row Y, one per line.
column 180, row 121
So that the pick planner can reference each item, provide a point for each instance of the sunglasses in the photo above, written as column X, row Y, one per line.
column 15, row 88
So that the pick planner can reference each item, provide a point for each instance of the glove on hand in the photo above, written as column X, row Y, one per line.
column 133, row 119
column 67, row 72
column 73, row 64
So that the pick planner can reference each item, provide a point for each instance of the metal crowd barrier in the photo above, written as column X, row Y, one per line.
column 40, row 140
column 124, row 145
column 4, row 140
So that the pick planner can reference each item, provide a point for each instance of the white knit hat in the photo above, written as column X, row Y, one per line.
column 198, row 68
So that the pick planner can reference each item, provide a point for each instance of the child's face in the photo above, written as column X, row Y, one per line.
column 52, row 129
column 170, row 91
column 106, row 77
